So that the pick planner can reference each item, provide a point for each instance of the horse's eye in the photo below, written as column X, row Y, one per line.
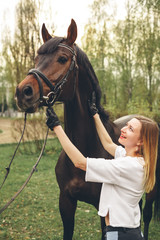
column 62, row 60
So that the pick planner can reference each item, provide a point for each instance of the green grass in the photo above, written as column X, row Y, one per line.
column 1, row 131
column 35, row 212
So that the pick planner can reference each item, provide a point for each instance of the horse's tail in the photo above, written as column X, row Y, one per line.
column 157, row 199
column 157, row 202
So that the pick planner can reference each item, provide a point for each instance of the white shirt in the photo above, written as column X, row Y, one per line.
column 122, row 187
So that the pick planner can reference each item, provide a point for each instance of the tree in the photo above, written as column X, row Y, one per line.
column 148, row 50
column 125, row 55
column 95, row 43
column 19, row 53
column 154, row 4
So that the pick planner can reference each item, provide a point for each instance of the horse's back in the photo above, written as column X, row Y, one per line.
column 120, row 122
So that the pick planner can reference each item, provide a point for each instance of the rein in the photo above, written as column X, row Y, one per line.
column 49, row 100
column 29, row 177
column 8, row 168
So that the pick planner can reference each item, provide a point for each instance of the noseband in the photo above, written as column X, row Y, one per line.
column 55, row 89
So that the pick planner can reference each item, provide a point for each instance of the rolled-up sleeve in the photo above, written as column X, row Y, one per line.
column 102, row 171
column 120, row 152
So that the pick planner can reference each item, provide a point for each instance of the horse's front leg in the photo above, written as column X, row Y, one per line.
column 67, row 208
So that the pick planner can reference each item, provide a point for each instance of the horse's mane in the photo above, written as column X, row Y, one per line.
column 50, row 46
column 84, row 61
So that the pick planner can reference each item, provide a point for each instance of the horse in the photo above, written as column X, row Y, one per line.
column 154, row 195
column 64, row 73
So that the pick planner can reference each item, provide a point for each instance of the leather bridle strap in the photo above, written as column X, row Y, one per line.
column 45, row 79
column 36, row 74
column 39, row 75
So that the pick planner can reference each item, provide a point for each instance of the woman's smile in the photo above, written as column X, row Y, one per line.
column 122, row 136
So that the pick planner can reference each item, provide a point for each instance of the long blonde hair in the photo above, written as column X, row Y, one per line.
column 149, row 148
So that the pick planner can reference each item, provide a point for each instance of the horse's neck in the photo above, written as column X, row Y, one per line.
column 76, row 115
column 79, row 125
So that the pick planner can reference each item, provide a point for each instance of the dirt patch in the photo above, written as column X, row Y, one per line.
column 8, row 134
column 6, row 127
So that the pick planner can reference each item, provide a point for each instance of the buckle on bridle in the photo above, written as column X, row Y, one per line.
column 50, row 98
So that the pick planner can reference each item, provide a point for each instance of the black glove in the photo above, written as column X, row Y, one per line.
column 92, row 104
column 51, row 118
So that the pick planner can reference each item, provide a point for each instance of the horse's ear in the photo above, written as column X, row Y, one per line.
column 72, row 32
column 45, row 34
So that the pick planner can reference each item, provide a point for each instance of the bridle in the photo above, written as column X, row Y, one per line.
column 55, row 89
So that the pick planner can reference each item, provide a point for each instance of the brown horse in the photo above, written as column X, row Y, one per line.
column 64, row 73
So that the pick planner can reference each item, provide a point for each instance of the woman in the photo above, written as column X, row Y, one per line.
column 124, row 179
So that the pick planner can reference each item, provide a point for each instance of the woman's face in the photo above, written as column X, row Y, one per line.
column 130, row 134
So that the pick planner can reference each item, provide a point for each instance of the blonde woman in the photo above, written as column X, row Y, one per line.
column 123, row 179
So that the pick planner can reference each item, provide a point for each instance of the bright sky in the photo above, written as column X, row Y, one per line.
column 62, row 12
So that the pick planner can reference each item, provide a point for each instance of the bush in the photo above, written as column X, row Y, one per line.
column 35, row 131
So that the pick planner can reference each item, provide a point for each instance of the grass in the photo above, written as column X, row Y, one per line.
column 35, row 212
column 1, row 131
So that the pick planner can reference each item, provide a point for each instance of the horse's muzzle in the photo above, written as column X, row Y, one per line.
column 25, row 99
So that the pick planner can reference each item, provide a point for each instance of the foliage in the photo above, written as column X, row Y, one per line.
column 19, row 52
column 35, row 130
column 124, row 52
column 125, row 56
column 35, row 213
column 154, row 4
column 3, row 104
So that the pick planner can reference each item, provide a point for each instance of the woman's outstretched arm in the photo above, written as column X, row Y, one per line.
column 73, row 153
column 106, row 140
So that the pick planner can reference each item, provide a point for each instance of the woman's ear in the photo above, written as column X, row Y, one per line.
column 139, row 147
column 140, row 143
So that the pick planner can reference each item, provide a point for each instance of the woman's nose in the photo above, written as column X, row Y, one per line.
column 124, row 129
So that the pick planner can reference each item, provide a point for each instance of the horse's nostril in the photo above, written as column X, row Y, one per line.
column 28, row 92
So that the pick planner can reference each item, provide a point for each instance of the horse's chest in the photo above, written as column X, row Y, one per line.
column 75, row 187
column 72, row 182
column 83, row 191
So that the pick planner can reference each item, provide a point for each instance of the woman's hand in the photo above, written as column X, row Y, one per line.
column 51, row 118
column 92, row 104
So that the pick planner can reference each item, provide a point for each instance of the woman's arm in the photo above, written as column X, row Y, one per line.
column 73, row 153
column 106, row 140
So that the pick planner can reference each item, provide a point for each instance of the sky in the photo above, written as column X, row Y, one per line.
column 62, row 13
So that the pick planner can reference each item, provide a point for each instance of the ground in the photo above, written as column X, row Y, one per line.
column 6, row 132
column 6, row 135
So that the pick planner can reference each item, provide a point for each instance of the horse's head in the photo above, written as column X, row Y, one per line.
column 54, row 73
